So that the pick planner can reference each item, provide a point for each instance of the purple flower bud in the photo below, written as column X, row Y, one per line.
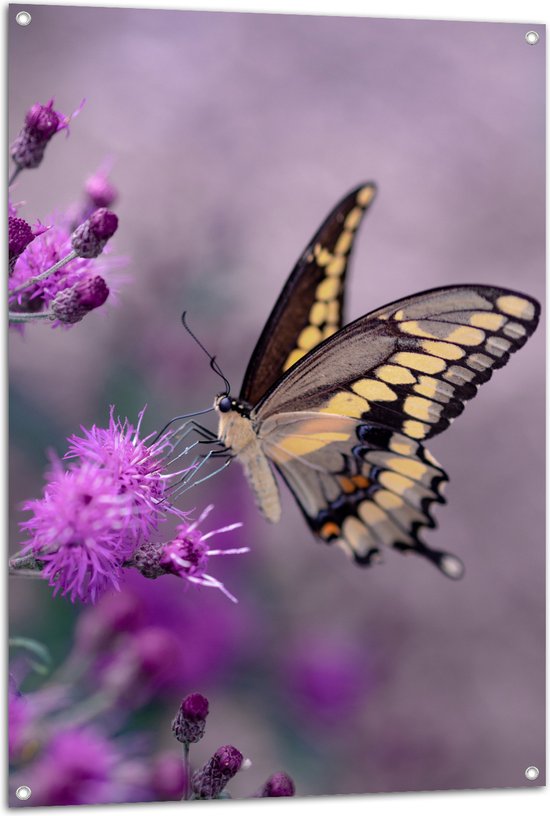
column 190, row 721
column 90, row 237
column 71, row 305
column 41, row 123
column 210, row 780
column 147, row 558
column 278, row 784
column 20, row 235
column 100, row 191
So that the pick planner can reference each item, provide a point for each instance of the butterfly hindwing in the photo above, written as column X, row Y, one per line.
column 364, row 487
column 310, row 306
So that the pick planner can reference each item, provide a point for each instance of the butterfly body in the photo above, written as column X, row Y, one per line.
column 342, row 412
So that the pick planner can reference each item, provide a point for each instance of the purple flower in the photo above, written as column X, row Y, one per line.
column 210, row 780
column 188, row 553
column 94, row 515
column 278, row 784
column 19, row 719
column 168, row 777
column 98, row 627
column 20, row 235
column 42, row 122
column 190, row 721
column 80, row 531
column 71, row 305
column 99, row 190
column 77, row 767
column 43, row 253
column 89, row 239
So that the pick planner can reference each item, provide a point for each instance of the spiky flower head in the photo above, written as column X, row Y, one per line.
column 210, row 780
column 187, row 554
column 42, row 122
column 278, row 784
column 71, row 305
column 95, row 514
column 190, row 722
column 89, row 239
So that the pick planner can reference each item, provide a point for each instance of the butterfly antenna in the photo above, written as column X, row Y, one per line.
column 213, row 362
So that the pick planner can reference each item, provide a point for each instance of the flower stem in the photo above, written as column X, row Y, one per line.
column 28, row 317
column 37, row 278
column 24, row 562
column 14, row 175
column 187, row 767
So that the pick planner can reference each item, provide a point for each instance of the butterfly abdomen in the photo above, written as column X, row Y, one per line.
column 236, row 431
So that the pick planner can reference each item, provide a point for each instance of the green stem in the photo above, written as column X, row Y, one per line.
column 28, row 317
column 187, row 766
column 37, row 278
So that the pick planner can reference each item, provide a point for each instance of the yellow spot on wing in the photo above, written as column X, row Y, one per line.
column 346, row 404
column 337, row 266
column 309, row 337
column 365, row 196
column 414, row 328
column 448, row 351
column 357, row 535
column 415, row 429
column 353, row 218
column 387, row 500
column 322, row 255
column 466, row 335
column 330, row 329
column 516, row 306
column 422, row 408
column 303, row 445
column 328, row 289
column 370, row 513
column 487, row 320
column 408, row 467
column 430, row 387
column 333, row 314
column 420, row 362
column 318, row 314
column 292, row 358
column 374, row 390
column 395, row 374
column 395, row 482
column 343, row 243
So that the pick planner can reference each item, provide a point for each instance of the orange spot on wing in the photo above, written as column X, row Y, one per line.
column 329, row 530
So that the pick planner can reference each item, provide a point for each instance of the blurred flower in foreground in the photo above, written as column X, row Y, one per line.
column 327, row 679
column 278, row 784
column 100, row 192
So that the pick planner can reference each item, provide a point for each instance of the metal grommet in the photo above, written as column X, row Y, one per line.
column 532, row 773
column 23, row 792
column 23, row 18
column 532, row 37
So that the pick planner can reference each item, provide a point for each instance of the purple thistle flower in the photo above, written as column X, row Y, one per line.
column 78, row 766
column 42, row 122
column 43, row 253
column 210, row 780
column 99, row 190
column 89, row 239
column 190, row 722
column 97, row 628
column 71, row 305
column 186, row 555
column 278, row 784
column 142, row 667
column 93, row 516
column 80, row 531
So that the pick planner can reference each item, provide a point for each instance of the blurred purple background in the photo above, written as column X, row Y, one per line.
column 232, row 136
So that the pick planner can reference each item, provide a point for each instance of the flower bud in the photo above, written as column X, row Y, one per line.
column 41, row 123
column 100, row 191
column 89, row 239
column 190, row 721
column 168, row 777
column 20, row 235
column 278, row 784
column 210, row 780
column 71, row 305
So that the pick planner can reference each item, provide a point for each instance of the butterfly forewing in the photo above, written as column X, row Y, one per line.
column 310, row 306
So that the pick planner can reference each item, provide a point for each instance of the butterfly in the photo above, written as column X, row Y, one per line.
column 342, row 413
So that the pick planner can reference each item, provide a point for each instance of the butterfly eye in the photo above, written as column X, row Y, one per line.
column 225, row 404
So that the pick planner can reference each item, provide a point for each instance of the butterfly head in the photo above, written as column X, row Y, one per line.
column 224, row 403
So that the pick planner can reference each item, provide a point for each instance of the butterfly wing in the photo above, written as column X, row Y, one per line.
column 309, row 308
column 345, row 425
